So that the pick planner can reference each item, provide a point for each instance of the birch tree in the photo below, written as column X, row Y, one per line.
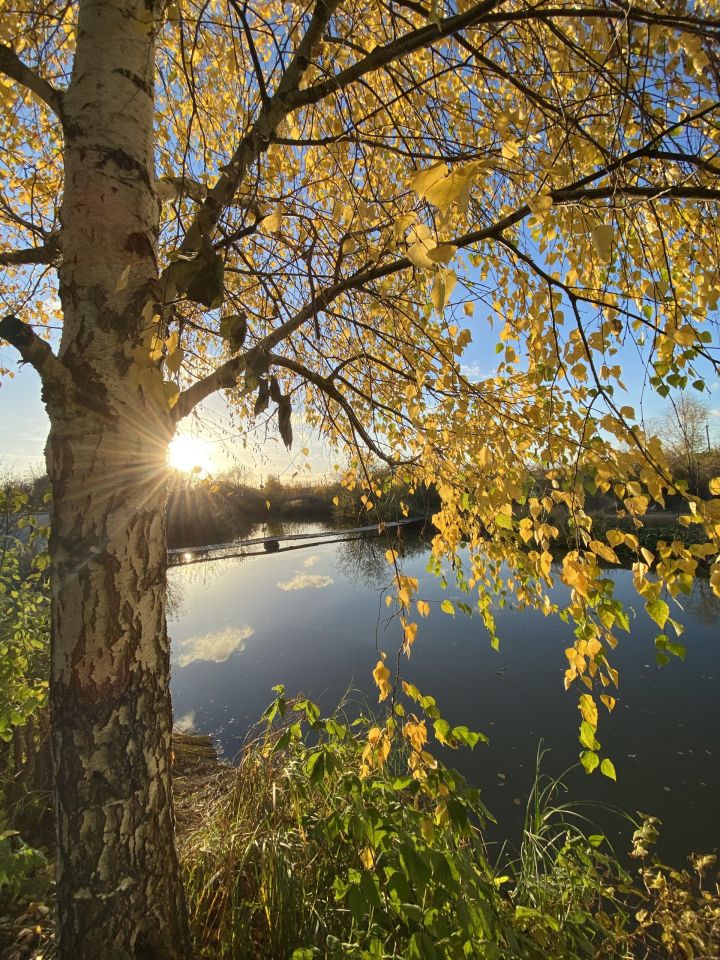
column 317, row 207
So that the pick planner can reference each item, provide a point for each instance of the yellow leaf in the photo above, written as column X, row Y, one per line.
column 599, row 548
column 714, row 486
column 416, row 733
column 382, row 679
column 424, row 180
column 271, row 223
column 391, row 556
column 374, row 734
column 442, row 253
column 455, row 188
column 366, row 858
column 336, row 501
column 172, row 392
column 417, row 254
column 588, row 709
column 409, row 634
column 423, row 608
column 174, row 360
column 602, row 238
column 447, row 607
column 123, row 279
column 401, row 224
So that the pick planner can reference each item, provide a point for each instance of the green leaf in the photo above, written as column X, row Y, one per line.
column 443, row 732
column 469, row 737
column 658, row 610
column 263, row 398
column 208, row 285
column 233, row 328
column 284, row 421
column 587, row 736
column 589, row 760
column 607, row 768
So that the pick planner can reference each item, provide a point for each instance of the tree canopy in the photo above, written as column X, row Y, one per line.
column 339, row 198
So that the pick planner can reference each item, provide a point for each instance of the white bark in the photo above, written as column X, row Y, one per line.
column 119, row 894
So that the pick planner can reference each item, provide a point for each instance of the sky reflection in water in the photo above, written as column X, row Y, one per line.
column 241, row 626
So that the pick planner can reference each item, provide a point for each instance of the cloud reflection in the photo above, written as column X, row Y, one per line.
column 304, row 580
column 311, row 561
column 186, row 723
column 216, row 647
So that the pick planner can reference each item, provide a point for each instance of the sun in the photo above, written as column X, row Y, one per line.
column 190, row 455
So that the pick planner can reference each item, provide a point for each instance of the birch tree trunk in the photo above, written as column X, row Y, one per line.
column 119, row 891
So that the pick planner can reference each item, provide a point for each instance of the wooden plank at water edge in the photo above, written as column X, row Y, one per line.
column 272, row 543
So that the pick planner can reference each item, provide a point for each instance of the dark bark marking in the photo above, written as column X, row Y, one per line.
column 140, row 245
column 123, row 161
column 138, row 81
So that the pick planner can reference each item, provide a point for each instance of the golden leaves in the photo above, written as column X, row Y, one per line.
column 272, row 222
column 442, row 188
column 442, row 288
column 381, row 675
column 602, row 237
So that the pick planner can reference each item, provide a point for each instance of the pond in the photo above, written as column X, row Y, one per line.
column 313, row 617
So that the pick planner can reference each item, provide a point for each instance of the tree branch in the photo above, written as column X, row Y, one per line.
column 424, row 36
column 254, row 143
column 35, row 351
column 326, row 385
column 47, row 253
column 227, row 374
column 12, row 66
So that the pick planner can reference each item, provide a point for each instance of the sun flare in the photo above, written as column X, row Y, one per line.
column 190, row 455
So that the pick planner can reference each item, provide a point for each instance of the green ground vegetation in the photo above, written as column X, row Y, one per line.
column 328, row 841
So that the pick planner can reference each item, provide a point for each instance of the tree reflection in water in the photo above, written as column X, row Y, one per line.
column 702, row 602
column 363, row 558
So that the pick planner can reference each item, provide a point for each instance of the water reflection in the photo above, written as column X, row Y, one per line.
column 215, row 647
column 304, row 581
column 319, row 640
column 703, row 603
column 363, row 558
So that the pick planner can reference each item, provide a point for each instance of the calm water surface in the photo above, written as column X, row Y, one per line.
column 312, row 618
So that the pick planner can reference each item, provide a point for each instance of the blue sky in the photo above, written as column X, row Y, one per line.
column 24, row 423
column 24, row 427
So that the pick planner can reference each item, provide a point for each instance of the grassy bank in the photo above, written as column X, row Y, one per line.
column 295, row 855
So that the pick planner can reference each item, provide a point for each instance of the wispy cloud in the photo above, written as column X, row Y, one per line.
column 186, row 723
column 304, row 581
column 311, row 561
column 216, row 647
column 475, row 371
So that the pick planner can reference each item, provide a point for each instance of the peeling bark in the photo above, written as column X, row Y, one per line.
column 119, row 890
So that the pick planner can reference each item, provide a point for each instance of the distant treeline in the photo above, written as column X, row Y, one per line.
column 214, row 511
